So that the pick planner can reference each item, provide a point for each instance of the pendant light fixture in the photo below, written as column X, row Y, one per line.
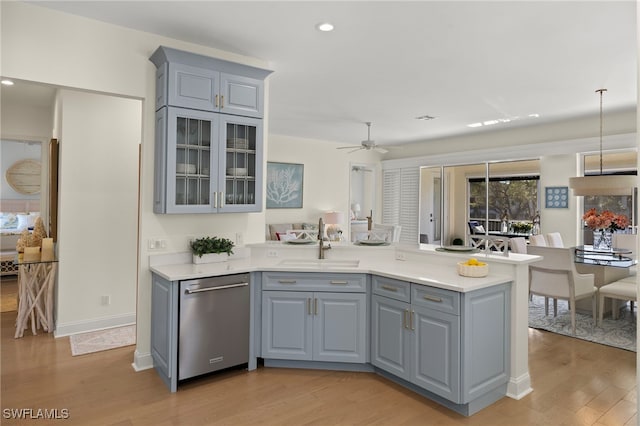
column 602, row 184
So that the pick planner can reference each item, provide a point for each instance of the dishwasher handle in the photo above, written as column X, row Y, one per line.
column 222, row 287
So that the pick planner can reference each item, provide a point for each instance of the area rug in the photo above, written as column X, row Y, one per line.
column 620, row 333
column 102, row 340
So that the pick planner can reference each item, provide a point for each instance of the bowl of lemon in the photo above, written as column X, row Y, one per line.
column 473, row 268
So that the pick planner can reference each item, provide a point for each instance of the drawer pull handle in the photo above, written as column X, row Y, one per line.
column 433, row 298
column 287, row 281
column 390, row 288
column 336, row 282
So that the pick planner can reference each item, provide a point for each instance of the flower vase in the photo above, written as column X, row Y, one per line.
column 602, row 240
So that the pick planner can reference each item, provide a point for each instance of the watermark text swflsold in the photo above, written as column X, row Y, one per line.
column 35, row 413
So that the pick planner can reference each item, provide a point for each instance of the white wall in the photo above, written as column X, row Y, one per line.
column 326, row 177
column 98, row 209
column 555, row 171
column 87, row 54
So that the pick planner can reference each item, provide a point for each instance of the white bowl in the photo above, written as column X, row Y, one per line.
column 185, row 168
column 236, row 171
column 474, row 271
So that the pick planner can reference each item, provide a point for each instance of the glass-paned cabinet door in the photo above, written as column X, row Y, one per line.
column 241, row 147
column 191, row 184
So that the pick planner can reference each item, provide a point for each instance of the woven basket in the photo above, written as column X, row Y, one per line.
column 474, row 271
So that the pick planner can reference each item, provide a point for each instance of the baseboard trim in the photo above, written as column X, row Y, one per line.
column 142, row 361
column 519, row 387
column 67, row 329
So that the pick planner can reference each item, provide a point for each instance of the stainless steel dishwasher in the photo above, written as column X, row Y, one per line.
column 214, row 324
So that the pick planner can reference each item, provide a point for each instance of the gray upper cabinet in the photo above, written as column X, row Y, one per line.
column 209, row 139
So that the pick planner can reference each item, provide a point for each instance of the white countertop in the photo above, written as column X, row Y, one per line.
column 422, row 265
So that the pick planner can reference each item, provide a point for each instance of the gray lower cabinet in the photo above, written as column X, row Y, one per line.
column 164, row 329
column 327, row 324
column 452, row 345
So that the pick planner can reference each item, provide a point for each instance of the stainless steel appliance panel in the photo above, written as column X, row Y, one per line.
column 214, row 324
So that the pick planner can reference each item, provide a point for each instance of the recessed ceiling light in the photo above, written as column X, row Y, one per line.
column 6, row 82
column 325, row 27
column 474, row 125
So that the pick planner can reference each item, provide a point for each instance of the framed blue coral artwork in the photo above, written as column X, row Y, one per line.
column 556, row 197
column 284, row 185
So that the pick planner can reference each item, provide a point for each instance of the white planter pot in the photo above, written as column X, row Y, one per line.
column 211, row 258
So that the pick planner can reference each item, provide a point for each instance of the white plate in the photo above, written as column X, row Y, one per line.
column 300, row 241
column 372, row 242
column 459, row 248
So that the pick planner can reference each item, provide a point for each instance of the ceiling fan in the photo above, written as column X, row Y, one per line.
column 368, row 144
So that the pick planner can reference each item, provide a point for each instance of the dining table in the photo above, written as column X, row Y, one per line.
column 607, row 266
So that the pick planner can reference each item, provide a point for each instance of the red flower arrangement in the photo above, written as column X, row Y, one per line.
column 605, row 220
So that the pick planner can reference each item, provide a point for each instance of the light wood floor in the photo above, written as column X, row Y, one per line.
column 575, row 383
column 8, row 293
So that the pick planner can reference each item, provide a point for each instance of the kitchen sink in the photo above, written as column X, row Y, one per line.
column 321, row 263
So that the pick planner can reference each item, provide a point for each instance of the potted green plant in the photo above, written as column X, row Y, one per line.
column 211, row 249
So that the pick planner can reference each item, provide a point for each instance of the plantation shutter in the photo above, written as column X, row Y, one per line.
column 400, row 201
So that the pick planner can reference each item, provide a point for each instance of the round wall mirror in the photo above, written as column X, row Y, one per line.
column 24, row 176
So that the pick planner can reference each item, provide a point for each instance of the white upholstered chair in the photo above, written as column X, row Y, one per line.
column 537, row 240
column 518, row 245
column 554, row 239
column 556, row 276
column 624, row 289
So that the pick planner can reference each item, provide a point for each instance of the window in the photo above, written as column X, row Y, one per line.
column 513, row 196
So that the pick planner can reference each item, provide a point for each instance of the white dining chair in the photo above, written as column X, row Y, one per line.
column 518, row 245
column 554, row 239
column 625, row 289
column 537, row 240
column 556, row 276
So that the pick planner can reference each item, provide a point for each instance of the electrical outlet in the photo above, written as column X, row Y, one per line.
column 157, row 244
column 239, row 239
column 272, row 253
column 401, row 256
column 105, row 300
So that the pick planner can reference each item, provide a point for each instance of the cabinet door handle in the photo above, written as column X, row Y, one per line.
column 412, row 318
column 215, row 200
column 222, row 101
column 433, row 298
column 309, row 306
column 390, row 288
column 405, row 322
column 315, row 302
column 337, row 282
column 287, row 281
column 216, row 101
column 221, row 199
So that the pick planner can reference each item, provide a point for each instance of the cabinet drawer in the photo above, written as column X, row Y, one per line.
column 389, row 287
column 314, row 281
column 436, row 298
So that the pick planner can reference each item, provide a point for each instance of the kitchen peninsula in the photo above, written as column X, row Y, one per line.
column 402, row 312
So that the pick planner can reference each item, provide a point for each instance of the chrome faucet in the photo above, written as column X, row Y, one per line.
column 321, row 240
